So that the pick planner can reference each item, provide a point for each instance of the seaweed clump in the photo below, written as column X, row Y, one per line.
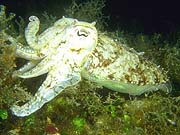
column 11, row 89
column 88, row 11
column 87, row 108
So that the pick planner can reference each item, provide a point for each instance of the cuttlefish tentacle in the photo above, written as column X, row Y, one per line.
column 28, row 53
column 36, row 41
column 31, row 31
column 48, row 90
column 63, row 61
column 30, row 65
column 22, row 51
column 38, row 69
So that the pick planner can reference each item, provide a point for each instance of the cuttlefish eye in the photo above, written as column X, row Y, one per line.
column 83, row 33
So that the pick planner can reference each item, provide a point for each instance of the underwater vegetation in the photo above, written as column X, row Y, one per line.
column 89, row 109
column 89, row 11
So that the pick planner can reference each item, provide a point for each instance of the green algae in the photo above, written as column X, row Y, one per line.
column 3, row 114
column 88, row 108
column 88, row 11
column 78, row 123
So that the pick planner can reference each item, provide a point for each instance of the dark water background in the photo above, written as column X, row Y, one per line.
column 139, row 16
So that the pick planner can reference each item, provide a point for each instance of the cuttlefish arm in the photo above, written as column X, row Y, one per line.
column 34, row 68
column 26, row 68
column 22, row 51
column 51, row 87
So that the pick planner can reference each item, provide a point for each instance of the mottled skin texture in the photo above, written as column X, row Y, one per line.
column 44, row 44
column 69, row 51
column 122, row 69
column 63, row 62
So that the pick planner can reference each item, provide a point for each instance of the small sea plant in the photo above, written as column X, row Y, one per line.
column 89, row 11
